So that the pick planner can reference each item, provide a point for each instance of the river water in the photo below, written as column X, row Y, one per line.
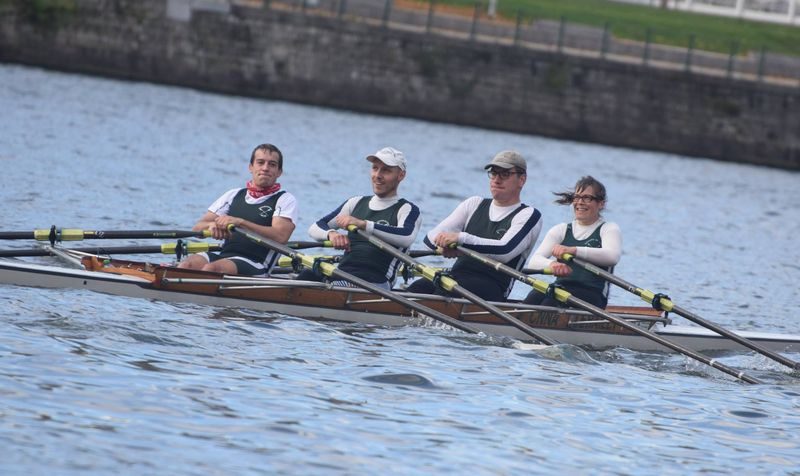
column 95, row 384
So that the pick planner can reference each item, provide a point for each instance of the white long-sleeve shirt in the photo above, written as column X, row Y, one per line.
column 518, row 239
column 608, row 255
column 401, row 236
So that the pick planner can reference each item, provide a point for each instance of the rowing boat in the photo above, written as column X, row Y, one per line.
column 320, row 301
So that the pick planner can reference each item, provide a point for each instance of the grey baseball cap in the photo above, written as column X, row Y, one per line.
column 508, row 159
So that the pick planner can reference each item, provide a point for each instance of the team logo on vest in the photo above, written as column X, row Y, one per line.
column 593, row 243
column 500, row 232
column 382, row 222
column 265, row 210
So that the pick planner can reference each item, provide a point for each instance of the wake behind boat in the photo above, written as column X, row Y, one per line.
column 320, row 301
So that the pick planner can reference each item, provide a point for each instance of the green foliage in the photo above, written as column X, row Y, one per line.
column 713, row 33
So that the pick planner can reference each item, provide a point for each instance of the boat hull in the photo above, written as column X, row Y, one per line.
column 322, row 302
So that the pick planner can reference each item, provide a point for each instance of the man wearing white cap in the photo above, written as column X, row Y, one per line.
column 502, row 228
column 384, row 214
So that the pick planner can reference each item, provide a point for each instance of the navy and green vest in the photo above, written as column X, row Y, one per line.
column 579, row 275
column 364, row 259
column 481, row 225
column 260, row 214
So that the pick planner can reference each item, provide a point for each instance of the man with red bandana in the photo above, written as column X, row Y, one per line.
column 261, row 207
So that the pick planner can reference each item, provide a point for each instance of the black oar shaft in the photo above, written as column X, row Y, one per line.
column 668, row 305
column 74, row 234
column 133, row 234
column 333, row 271
column 302, row 245
column 661, row 340
column 167, row 248
column 564, row 296
column 17, row 235
column 457, row 288
column 477, row 300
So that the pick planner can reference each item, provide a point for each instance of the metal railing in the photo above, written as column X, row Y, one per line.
column 545, row 35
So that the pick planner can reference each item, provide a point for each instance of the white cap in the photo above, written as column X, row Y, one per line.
column 390, row 156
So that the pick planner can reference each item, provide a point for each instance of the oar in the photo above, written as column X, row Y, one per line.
column 660, row 301
column 566, row 297
column 167, row 249
column 329, row 269
column 450, row 284
column 73, row 234
column 536, row 271
column 286, row 262
column 302, row 245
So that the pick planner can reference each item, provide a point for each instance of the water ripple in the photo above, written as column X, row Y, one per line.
column 96, row 384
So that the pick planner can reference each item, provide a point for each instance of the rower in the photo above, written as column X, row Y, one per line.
column 588, row 237
column 261, row 207
column 384, row 214
column 500, row 227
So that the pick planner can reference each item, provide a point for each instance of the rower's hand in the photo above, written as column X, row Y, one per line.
column 449, row 252
column 219, row 229
column 339, row 241
column 344, row 221
column 560, row 250
column 560, row 269
column 444, row 240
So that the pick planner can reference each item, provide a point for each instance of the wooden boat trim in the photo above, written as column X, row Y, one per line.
column 332, row 303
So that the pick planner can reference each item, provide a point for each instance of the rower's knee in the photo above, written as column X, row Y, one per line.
column 193, row 262
column 223, row 266
column 209, row 267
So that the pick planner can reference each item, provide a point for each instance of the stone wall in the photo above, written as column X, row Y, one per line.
column 325, row 60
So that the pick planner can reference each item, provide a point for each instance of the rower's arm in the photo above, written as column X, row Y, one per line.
column 518, row 239
column 321, row 228
column 610, row 251
column 455, row 222
column 205, row 221
column 280, row 230
column 402, row 235
column 543, row 256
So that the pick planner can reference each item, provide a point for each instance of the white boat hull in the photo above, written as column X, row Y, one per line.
column 698, row 339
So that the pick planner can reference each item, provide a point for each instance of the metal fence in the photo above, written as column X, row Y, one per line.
column 773, row 11
column 556, row 36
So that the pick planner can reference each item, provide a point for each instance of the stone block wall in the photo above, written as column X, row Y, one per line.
column 329, row 61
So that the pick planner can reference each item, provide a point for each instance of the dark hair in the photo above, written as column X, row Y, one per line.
column 268, row 148
column 565, row 198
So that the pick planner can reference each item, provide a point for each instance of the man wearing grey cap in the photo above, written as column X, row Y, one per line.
column 502, row 228
column 384, row 214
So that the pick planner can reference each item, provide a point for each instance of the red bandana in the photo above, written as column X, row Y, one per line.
column 257, row 192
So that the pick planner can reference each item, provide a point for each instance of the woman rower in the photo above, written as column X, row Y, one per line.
column 588, row 237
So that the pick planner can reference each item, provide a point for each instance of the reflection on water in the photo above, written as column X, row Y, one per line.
column 103, row 384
